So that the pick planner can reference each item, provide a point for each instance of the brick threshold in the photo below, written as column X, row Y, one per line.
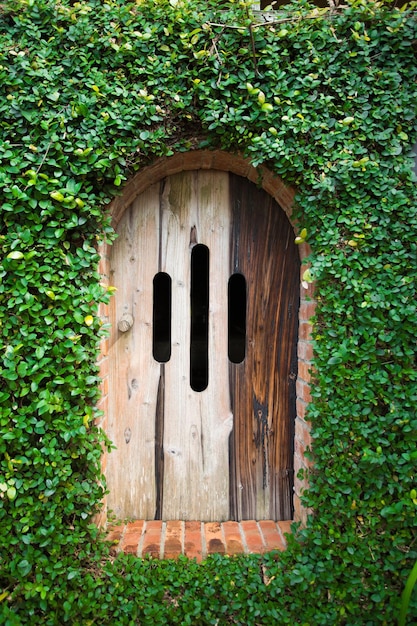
column 196, row 540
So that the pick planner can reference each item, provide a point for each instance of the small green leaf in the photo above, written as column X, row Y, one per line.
column 301, row 237
column 24, row 567
column 11, row 493
column 307, row 276
column 334, row 360
column 15, row 255
column 88, row 320
column 53, row 96
column 251, row 89
column 57, row 195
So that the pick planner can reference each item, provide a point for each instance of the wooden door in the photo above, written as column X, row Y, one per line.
column 198, row 436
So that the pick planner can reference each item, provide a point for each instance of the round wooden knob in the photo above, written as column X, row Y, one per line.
column 125, row 323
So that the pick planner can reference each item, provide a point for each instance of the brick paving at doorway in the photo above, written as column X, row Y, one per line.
column 167, row 540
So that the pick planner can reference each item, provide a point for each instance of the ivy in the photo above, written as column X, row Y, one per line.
column 326, row 98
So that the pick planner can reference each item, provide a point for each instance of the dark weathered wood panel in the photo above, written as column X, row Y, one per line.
column 263, row 386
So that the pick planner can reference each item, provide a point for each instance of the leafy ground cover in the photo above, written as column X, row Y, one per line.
column 90, row 92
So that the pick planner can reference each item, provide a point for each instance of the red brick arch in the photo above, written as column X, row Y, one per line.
column 284, row 195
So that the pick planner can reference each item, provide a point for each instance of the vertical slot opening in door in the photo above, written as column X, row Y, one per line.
column 161, row 322
column 236, row 336
column 199, row 317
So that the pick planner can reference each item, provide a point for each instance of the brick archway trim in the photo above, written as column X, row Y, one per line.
column 284, row 195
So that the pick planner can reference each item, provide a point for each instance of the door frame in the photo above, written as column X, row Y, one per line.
column 284, row 196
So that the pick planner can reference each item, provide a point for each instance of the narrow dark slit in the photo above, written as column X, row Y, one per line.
column 161, row 322
column 199, row 317
column 236, row 318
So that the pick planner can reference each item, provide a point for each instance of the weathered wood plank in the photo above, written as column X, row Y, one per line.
column 262, row 404
column 197, row 424
column 134, row 375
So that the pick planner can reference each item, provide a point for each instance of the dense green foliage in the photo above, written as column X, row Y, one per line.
column 90, row 92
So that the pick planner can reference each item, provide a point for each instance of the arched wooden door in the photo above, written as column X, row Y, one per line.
column 203, row 353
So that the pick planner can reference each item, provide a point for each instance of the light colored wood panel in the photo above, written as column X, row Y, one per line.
column 178, row 458
column 197, row 424
column 214, row 216
column 134, row 375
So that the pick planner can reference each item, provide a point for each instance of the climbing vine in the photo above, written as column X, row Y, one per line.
column 92, row 91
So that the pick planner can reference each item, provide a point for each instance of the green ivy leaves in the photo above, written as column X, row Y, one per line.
column 92, row 92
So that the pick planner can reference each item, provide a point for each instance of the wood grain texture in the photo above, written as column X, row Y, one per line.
column 134, row 375
column 263, row 386
column 225, row 452
column 197, row 424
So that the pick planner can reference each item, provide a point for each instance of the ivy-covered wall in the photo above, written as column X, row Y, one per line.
column 91, row 92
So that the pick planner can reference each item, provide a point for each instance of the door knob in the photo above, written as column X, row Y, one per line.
column 125, row 323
